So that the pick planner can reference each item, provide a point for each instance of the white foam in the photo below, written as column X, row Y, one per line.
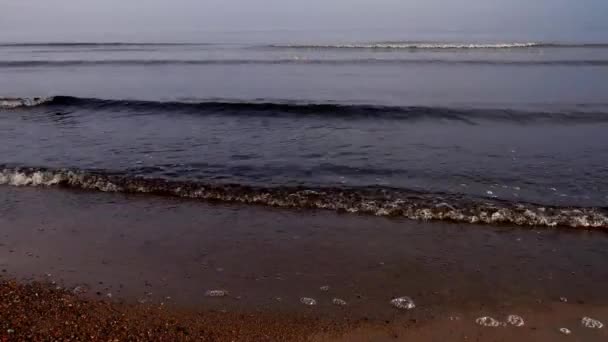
column 405, row 303
column 487, row 321
column 591, row 323
column 418, row 209
column 339, row 302
column 10, row 103
column 216, row 293
column 308, row 301
column 416, row 46
column 515, row 320
column 37, row 178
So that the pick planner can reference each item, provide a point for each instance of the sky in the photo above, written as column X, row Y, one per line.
column 44, row 20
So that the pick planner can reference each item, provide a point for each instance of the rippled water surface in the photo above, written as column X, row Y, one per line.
column 473, row 131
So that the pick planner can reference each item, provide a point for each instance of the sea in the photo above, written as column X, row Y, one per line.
column 476, row 129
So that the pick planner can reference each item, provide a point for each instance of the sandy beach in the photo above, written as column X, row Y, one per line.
column 146, row 268
column 40, row 312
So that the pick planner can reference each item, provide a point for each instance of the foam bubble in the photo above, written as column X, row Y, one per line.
column 487, row 321
column 308, row 301
column 591, row 323
column 515, row 320
column 216, row 293
column 405, row 303
column 339, row 302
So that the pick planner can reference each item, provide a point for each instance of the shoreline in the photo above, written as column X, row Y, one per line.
column 371, row 201
column 124, row 254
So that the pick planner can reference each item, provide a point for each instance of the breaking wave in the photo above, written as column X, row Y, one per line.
column 438, row 46
column 365, row 45
column 297, row 61
column 290, row 108
column 373, row 201
column 16, row 102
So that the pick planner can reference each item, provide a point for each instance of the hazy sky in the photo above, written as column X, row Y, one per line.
column 78, row 19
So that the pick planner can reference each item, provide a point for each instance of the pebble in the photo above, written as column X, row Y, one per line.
column 487, row 321
column 515, row 320
column 405, row 303
column 324, row 288
column 565, row 331
column 591, row 323
column 308, row 301
column 216, row 293
column 339, row 302
column 563, row 299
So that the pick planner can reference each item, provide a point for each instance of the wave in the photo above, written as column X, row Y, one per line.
column 372, row 201
column 17, row 102
column 437, row 46
column 297, row 61
column 370, row 45
column 96, row 44
column 290, row 108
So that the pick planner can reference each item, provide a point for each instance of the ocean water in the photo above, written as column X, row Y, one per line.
column 466, row 128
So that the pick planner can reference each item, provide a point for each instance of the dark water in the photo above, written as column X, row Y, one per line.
column 472, row 131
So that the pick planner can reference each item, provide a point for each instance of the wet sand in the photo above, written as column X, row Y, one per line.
column 40, row 312
column 136, row 253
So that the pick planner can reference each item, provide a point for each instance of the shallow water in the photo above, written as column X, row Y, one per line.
column 498, row 124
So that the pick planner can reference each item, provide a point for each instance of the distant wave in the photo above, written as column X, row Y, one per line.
column 95, row 44
column 373, row 201
column 290, row 108
column 437, row 46
column 370, row 45
column 296, row 61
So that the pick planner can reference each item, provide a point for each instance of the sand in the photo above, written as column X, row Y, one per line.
column 40, row 312
column 139, row 268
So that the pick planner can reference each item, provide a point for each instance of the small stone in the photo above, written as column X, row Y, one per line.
column 216, row 293
column 10, row 331
column 308, row 301
column 405, row 303
column 324, row 288
column 565, row 331
column 563, row 299
column 591, row 323
column 338, row 302
column 487, row 321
